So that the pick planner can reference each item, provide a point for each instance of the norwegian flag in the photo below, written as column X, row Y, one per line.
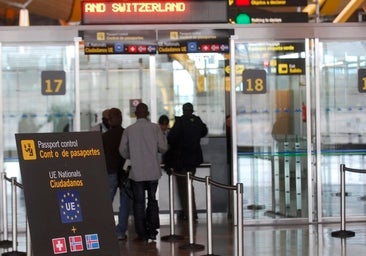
column 59, row 245
column 76, row 243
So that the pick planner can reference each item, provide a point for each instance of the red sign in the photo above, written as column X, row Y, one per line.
column 270, row 2
column 153, row 12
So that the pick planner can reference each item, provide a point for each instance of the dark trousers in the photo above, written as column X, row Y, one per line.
column 183, row 193
column 146, row 218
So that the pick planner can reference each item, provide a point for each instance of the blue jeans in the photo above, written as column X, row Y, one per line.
column 146, row 218
column 124, row 203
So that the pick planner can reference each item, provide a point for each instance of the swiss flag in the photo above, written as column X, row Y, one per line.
column 59, row 245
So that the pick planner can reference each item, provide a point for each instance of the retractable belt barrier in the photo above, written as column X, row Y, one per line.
column 208, row 183
column 5, row 243
column 342, row 233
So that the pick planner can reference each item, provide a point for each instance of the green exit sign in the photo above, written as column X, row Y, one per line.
column 264, row 18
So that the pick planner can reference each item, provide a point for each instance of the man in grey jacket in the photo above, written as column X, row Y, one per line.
column 141, row 143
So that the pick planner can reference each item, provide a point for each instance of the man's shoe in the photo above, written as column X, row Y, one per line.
column 122, row 237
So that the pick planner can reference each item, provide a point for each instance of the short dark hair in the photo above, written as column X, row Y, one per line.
column 142, row 110
column 163, row 119
column 187, row 108
column 115, row 117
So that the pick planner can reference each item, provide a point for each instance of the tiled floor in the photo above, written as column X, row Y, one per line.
column 291, row 240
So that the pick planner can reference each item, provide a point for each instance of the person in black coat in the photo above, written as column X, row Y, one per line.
column 114, row 162
column 185, row 152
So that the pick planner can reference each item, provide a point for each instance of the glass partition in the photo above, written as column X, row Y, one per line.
column 108, row 81
column 195, row 78
column 31, row 102
column 113, row 80
column 271, row 128
column 342, row 111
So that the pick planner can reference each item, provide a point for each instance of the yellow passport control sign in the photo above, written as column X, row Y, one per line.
column 28, row 150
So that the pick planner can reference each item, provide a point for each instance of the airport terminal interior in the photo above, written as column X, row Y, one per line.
column 283, row 102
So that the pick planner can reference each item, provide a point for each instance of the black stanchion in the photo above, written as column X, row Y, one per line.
column 343, row 233
column 172, row 237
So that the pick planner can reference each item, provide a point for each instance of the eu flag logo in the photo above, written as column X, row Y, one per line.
column 70, row 208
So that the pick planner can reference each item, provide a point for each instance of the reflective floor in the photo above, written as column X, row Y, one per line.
column 291, row 240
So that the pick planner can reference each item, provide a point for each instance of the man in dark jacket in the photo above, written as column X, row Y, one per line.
column 185, row 153
column 115, row 162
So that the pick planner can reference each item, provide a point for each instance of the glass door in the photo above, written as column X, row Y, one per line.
column 270, row 91
column 342, row 122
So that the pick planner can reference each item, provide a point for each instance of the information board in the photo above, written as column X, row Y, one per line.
column 276, row 57
column 66, row 193
column 194, row 41
column 119, row 41
column 153, row 12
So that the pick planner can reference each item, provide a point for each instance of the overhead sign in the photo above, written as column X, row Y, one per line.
column 153, row 12
column 119, row 42
column 290, row 67
column 194, row 41
column 65, row 187
column 277, row 58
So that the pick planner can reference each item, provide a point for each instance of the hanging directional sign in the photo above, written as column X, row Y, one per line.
column 119, row 41
column 194, row 41
column 65, row 187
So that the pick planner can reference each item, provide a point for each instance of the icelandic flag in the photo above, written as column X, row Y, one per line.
column 70, row 207
column 76, row 243
column 92, row 241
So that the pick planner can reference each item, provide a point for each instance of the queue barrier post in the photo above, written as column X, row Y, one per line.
column 5, row 243
column 191, row 245
column 239, row 213
column 172, row 236
column 238, row 216
column 15, row 251
column 343, row 233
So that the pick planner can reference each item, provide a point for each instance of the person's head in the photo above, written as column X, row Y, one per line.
column 163, row 122
column 142, row 110
column 115, row 117
column 228, row 121
column 187, row 108
column 105, row 116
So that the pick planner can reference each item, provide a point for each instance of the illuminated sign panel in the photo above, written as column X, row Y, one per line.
column 194, row 41
column 277, row 58
column 153, row 12
column 119, row 42
column 261, row 18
